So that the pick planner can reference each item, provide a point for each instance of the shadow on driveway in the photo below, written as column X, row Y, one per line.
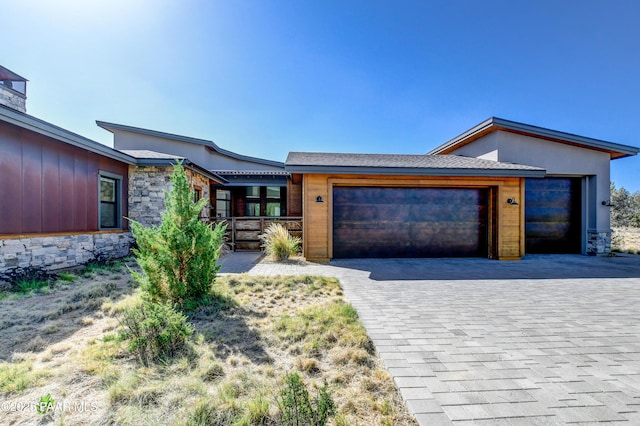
column 530, row 267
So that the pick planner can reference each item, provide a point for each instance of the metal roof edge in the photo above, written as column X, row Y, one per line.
column 210, row 144
column 415, row 171
column 42, row 127
column 508, row 125
column 18, row 76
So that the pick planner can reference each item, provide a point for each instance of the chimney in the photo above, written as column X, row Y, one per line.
column 13, row 90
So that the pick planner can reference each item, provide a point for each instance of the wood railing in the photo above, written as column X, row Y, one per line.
column 243, row 233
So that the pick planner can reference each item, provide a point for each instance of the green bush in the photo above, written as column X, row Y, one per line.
column 155, row 331
column 297, row 409
column 277, row 242
column 178, row 258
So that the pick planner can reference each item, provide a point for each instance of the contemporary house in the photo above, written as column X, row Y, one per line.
column 499, row 190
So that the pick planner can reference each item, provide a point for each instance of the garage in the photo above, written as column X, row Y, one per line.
column 388, row 222
column 553, row 219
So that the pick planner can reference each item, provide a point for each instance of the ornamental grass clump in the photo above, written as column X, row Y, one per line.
column 277, row 242
column 179, row 257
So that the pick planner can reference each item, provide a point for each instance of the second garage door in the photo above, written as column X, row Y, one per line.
column 553, row 215
column 383, row 222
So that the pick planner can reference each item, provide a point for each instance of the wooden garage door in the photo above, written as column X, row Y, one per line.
column 409, row 222
column 552, row 215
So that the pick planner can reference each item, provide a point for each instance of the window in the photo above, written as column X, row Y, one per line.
column 253, row 192
column 273, row 209
column 109, row 197
column 273, row 201
column 273, row 192
column 197, row 193
column 223, row 203
column 253, row 209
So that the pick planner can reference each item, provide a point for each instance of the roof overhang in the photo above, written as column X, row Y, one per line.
column 493, row 124
column 112, row 127
column 410, row 171
column 36, row 125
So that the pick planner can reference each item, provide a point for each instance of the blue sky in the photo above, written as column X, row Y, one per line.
column 267, row 77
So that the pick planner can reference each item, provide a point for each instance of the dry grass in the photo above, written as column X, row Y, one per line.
column 261, row 329
column 626, row 240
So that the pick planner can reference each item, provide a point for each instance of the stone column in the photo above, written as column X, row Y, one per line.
column 598, row 242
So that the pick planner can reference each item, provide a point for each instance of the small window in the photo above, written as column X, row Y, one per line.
column 273, row 192
column 223, row 203
column 253, row 192
column 197, row 194
column 109, row 202
column 253, row 209
column 273, row 209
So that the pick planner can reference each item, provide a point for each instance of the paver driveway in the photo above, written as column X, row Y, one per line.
column 546, row 340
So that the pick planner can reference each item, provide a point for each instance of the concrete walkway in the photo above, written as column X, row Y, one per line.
column 546, row 340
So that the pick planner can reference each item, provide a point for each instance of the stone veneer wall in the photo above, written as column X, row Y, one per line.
column 56, row 252
column 598, row 242
column 203, row 182
column 12, row 99
column 146, row 192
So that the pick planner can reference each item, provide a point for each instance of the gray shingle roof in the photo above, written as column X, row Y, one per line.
column 145, row 153
column 428, row 165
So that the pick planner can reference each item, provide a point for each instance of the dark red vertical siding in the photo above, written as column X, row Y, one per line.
column 32, row 187
column 67, row 187
column 50, row 186
column 47, row 186
column 80, row 195
column 10, row 180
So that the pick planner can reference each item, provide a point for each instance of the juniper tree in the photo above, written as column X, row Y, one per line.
column 179, row 257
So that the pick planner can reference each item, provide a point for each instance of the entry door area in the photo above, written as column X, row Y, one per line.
column 553, row 219
column 386, row 222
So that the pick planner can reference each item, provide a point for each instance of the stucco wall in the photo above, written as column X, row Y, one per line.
column 196, row 153
column 485, row 148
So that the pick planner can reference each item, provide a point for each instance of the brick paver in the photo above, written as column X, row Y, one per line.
column 546, row 340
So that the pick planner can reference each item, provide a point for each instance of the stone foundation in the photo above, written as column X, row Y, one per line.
column 57, row 252
column 598, row 242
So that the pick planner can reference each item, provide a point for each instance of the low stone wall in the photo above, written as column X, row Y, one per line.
column 57, row 252
column 626, row 239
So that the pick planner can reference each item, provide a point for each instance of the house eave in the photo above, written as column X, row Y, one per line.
column 207, row 143
column 493, row 124
column 36, row 125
